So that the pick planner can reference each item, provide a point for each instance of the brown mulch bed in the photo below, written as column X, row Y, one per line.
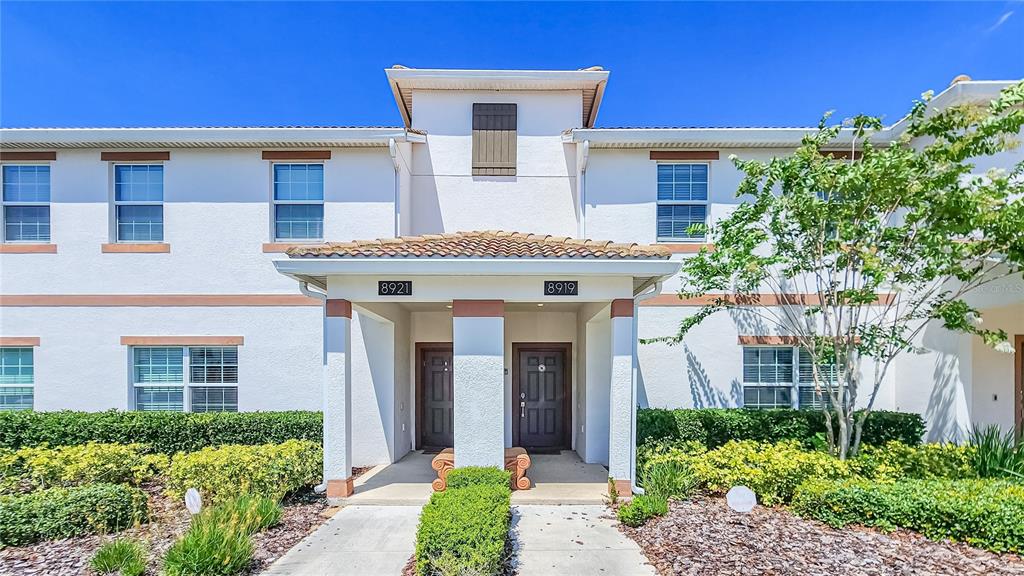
column 169, row 520
column 703, row 536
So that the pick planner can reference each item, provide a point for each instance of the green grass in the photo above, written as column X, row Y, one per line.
column 125, row 557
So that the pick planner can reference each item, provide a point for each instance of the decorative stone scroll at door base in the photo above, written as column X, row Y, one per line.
column 517, row 461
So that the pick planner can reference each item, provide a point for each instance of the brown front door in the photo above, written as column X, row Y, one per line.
column 435, row 397
column 541, row 397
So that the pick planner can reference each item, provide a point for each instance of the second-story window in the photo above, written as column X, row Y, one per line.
column 682, row 200
column 139, row 202
column 299, row 202
column 26, row 203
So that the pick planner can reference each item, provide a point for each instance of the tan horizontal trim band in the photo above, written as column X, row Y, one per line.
column 28, row 248
column 155, row 300
column 338, row 308
column 182, row 340
column 279, row 247
column 296, row 154
column 134, row 156
column 841, row 154
column 478, row 308
column 684, row 248
column 19, row 340
column 684, row 154
column 161, row 248
column 752, row 300
column 27, row 156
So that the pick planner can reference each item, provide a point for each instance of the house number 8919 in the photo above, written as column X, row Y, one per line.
column 561, row 288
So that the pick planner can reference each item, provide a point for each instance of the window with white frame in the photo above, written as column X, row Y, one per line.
column 682, row 200
column 17, row 378
column 159, row 378
column 299, row 202
column 783, row 377
column 139, row 202
column 767, row 377
column 26, row 203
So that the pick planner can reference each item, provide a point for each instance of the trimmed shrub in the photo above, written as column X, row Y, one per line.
column 41, row 467
column 984, row 513
column 166, row 432
column 270, row 470
column 896, row 460
column 642, row 508
column 716, row 426
column 125, row 557
column 772, row 471
column 476, row 475
column 464, row 530
column 209, row 548
column 65, row 512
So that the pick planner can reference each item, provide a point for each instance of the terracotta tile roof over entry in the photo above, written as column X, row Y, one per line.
column 489, row 244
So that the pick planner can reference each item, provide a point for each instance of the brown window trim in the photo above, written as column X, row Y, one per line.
column 684, row 154
column 296, row 154
column 182, row 340
column 134, row 156
column 136, row 248
column 8, row 156
column 686, row 247
column 38, row 248
column 19, row 341
column 159, row 300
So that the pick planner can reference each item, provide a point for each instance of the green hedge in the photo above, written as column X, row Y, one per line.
column 166, row 432
column 984, row 513
column 270, row 470
column 464, row 531
column 476, row 475
column 714, row 427
column 28, row 469
column 64, row 512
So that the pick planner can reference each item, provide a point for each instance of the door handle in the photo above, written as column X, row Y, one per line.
column 522, row 409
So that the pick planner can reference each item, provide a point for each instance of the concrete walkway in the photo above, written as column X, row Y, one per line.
column 357, row 541
column 573, row 540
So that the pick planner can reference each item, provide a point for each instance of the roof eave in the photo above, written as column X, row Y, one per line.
column 23, row 138
column 330, row 266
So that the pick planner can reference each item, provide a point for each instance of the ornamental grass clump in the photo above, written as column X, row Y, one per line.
column 125, row 557
column 997, row 454
column 217, row 543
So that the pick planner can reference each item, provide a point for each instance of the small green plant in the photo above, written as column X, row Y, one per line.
column 613, row 492
column 996, row 454
column 669, row 479
column 642, row 508
column 125, row 557
column 209, row 548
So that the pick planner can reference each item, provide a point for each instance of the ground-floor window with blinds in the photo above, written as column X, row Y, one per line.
column 17, row 378
column 191, row 378
column 783, row 377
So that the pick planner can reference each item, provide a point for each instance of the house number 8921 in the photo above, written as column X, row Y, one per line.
column 394, row 288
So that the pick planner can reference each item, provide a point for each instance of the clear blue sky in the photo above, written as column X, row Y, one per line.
column 703, row 64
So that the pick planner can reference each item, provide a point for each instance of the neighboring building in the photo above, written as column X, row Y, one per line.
column 138, row 272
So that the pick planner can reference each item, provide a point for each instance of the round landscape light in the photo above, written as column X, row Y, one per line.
column 741, row 499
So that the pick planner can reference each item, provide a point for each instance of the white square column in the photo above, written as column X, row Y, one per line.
column 337, row 397
column 478, row 330
column 623, row 404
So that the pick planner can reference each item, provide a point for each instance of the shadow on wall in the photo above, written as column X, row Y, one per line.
column 940, row 415
column 641, row 390
column 702, row 393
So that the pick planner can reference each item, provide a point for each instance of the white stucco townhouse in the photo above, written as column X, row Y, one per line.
column 145, row 269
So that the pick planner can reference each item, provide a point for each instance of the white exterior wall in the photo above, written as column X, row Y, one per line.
column 540, row 198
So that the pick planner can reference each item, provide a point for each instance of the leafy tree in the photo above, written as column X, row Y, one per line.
column 862, row 253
